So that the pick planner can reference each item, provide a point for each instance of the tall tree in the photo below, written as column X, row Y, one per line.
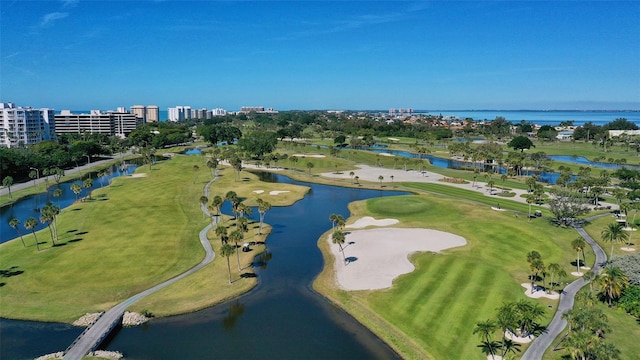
column 235, row 236
column 338, row 237
column 221, row 231
column 614, row 233
column 263, row 207
column 226, row 251
column 31, row 224
column 77, row 189
column 14, row 222
column 486, row 329
column 87, row 184
column 578, row 244
column 7, row 182
column 612, row 282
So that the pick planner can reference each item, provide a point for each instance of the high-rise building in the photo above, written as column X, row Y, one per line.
column 153, row 113
column 179, row 113
column 119, row 122
column 140, row 111
column 25, row 126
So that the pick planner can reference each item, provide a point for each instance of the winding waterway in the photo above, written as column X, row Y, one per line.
column 282, row 318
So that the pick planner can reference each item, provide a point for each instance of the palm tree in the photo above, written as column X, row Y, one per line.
column 555, row 269
column 213, row 165
column 47, row 216
column 217, row 203
column 87, row 184
column 380, row 178
column 338, row 237
column 612, row 281
column 309, row 166
column 614, row 233
column 226, row 251
column 578, row 244
column 203, row 201
column 533, row 257
column 263, row 207
column 7, row 182
column 221, row 231
column 530, row 200
column 237, row 235
column 335, row 219
column 351, row 175
column 31, row 224
column 14, row 222
column 486, row 330
column 77, row 189
column 233, row 198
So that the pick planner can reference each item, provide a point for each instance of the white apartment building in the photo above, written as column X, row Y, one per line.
column 119, row 122
column 218, row 112
column 25, row 126
column 179, row 113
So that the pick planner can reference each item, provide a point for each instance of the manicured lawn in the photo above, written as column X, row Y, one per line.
column 432, row 311
column 134, row 234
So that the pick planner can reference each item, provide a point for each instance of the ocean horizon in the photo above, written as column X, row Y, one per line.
column 537, row 117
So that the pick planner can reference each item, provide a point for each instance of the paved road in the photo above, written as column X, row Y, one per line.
column 538, row 347
column 91, row 338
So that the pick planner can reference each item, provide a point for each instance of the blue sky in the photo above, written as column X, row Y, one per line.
column 321, row 55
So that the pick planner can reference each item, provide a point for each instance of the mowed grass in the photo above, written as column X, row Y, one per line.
column 431, row 312
column 133, row 235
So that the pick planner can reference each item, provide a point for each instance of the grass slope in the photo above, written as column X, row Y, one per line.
column 133, row 235
column 431, row 312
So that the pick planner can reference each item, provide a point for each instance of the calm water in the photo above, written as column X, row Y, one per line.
column 536, row 117
column 281, row 319
column 544, row 117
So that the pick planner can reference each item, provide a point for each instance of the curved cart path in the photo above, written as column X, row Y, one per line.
column 93, row 335
column 538, row 347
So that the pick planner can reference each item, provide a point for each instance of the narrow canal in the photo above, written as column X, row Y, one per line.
column 282, row 318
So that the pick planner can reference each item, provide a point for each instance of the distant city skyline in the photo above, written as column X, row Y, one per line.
column 308, row 55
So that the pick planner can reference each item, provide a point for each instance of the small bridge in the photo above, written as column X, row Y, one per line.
column 92, row 336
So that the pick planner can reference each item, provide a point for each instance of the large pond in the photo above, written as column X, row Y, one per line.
column 30, row 205
column 281, row 319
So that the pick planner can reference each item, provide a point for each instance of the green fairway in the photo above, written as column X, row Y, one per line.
column 133, row 235
column 432, row 311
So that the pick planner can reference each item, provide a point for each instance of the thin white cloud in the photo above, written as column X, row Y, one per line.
column 50, row 18
column 69, row 3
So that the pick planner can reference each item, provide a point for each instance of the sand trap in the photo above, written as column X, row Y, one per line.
column 537, row 294
column 369, row 221
column 378, row 256
column 518, row 339
column 385, row 154
column 494, row 357
column 627, row 249
column 575, row 273
column 309, row 155
column 277, row 192
column 497, row 209
column 140, row 175
column 258, row 191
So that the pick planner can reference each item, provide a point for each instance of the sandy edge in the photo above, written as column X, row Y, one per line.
column 378, row 256
column 539, row 293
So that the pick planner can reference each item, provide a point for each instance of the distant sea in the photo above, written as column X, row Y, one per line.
column 551, row 117
column 542, row 117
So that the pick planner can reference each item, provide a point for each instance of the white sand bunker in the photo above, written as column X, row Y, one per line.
column 519, row 339
column 385, row 154
column 369, row 221
column 140, row 175
column 309, row 155
column 277, row 192
column 627, row 248
column 258, row 191
column 377, row 256
column 539, row 293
